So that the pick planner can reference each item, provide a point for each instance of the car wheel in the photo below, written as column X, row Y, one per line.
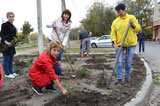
column 93, row 45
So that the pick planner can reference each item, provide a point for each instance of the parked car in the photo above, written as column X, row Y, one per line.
column 94, row 38
column 103, row 41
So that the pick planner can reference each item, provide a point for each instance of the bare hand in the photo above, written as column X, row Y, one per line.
column 65, row 92
column 131, row 21
column 57, row 63
column 116, row 46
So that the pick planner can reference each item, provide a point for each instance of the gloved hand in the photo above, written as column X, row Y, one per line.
column 7, row 43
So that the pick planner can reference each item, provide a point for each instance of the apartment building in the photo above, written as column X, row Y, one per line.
column 156, row 21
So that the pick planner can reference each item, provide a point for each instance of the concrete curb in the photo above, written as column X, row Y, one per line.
column 143, row 95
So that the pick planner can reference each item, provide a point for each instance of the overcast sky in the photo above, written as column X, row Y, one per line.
column 51, row 10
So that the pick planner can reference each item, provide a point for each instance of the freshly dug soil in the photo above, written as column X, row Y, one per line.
column 84, row 90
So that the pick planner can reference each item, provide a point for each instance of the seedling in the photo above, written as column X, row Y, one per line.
column 156, row 80
column 101, row 82
column 93, row 56
column 83, row 72
column 16, row 70
column 29, row 63
column 72, row 61
column 28, row 81
column 70, row 93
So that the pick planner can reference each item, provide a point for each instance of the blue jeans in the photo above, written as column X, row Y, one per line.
column 58, row 69
column 141, row 44
column 128, row 61
column 8, row 63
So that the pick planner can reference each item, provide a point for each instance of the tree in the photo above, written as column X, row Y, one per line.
column 99, row 19
column 26, row 30
column 142, row 10
column 74, row 33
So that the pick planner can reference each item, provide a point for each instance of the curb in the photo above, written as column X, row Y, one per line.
column 143, row 95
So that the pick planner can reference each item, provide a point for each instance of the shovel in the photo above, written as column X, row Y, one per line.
column 119, row 52
column 69, row 62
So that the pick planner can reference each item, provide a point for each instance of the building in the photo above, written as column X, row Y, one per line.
column 156, row 21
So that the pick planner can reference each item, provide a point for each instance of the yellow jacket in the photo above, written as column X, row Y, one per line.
column 119, row 28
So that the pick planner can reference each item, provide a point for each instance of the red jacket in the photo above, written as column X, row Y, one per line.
column 41, row 73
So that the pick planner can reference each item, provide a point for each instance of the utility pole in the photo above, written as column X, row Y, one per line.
column 40, row 32
column 63, row 5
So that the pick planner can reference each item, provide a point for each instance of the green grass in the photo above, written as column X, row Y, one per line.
column 77, row 50
column 25, row 48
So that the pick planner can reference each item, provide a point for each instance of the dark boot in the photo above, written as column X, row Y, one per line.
column 127, row 80
column 117, row 81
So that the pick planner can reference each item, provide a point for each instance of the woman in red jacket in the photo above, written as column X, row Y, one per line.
column 42, row 73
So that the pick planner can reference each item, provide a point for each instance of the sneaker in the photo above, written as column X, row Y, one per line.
column 127, row 80
column 50, row 88
column 117, row 81
column 14, row 74
column 9, row 76
column 37, row 90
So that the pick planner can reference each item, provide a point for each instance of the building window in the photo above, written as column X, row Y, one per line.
column 158, row 1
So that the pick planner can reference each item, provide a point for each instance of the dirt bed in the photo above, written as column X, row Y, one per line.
column 88, row 88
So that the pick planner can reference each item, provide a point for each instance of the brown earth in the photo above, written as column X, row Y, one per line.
column 88, row 88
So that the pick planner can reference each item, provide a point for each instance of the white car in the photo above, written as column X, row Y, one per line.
column 103, row 41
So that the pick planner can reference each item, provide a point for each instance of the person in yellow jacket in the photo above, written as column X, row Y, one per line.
column 119, row 28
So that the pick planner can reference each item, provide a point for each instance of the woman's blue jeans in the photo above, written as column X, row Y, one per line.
column 8, row 63
column 58, row 69
column 128, row 61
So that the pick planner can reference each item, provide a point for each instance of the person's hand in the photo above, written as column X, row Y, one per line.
column 65, row 92
column 116, row 46
column 58, row 63
column 131, row 21
column 7, row 43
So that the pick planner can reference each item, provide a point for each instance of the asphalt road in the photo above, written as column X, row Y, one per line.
column 152, row 56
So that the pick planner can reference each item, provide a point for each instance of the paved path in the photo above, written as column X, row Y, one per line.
column 152, row 56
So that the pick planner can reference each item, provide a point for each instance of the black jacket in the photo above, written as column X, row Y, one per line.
column 141, row 35
column 8, row 32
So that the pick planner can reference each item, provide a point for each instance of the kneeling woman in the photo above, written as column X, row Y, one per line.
column 42, row 73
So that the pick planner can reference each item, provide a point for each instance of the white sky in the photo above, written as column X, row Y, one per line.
column 51, row 10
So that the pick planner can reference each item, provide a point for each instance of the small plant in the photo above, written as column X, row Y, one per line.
column 83, row 72
column 156, row 80
column 72, row 61
column 93, row 56
column 109, row 92
column 28, row 80
column 68, row 69
column 70, row 91
column 16, row 70
column 144, row 70
column 101, row 82
column 23, row 105
column 29, row 63
column 70, row 94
